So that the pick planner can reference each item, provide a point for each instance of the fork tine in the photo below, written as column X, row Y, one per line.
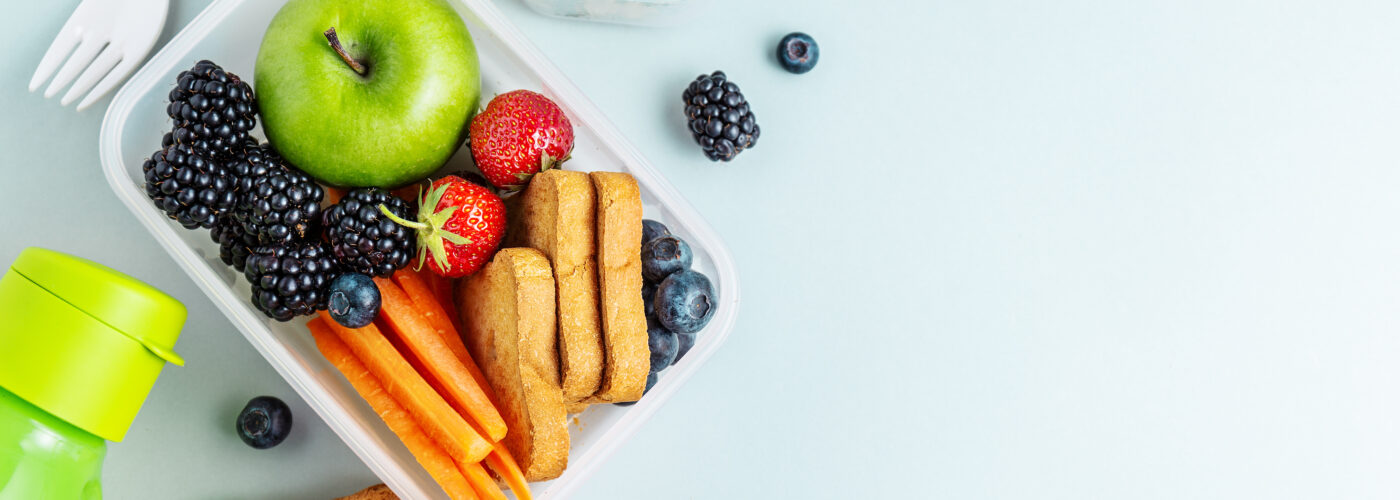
column 110, row 81
column 81, row 59
column 100, row 66
column 63, row 43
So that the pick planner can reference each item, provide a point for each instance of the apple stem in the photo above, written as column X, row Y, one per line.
column 335, row 44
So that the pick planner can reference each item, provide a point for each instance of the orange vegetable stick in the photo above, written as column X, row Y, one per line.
column 481, row 481
column 430, row 410
column 443, row 287
column 419, row 287
column 418, row 291
column 438, row 464
column 416, row 285
column 460, row 387
column 505, row 466
column 334, row 194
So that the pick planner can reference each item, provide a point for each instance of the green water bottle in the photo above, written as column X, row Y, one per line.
column 80, row 348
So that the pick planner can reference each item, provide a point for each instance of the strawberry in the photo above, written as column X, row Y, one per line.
column 459, row 226
column 519, row 134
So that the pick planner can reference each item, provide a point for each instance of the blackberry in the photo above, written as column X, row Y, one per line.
column 234, row 244
column 188, row 187
column 279, row 205
column 213, row 110
column 363, row 239
column 719, row 117
column 291, row 279
column 250, row 162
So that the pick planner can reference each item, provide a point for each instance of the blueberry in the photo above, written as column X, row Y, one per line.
column 651, row 382
column 353, row 301
column 648, row 291
column 798, row 53
column 684, row 302
column 663, row 344
column 686, row 341
column 264, row 422
column 663, row 256
column 652, row 230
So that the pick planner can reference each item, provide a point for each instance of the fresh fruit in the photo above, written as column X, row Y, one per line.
column 291, row 279
column 648, row 292
column 363, row 239
column 353, row 300
column 264, row 422
column 478, row 179
column 213, row 110
column 797, row 52
column 719, row 117
column 235, row 245
column 652, row 230
column 651, row 381
column 190, row 188
column 459, row 226
column 519, row 134
column 685, row 302
column 251, row 162
column 385, row 104
column 663, row 344
column 281, row 205
column 663, row 256
column 686, row 341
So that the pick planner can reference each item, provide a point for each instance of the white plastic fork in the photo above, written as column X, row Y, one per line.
column 111, row 36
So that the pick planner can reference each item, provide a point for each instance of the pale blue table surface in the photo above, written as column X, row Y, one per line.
column 989, row 249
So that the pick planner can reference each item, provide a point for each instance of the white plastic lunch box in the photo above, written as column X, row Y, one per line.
column 228, row 32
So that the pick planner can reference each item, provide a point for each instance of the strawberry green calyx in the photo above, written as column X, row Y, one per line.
column 433, row 236
column 546, row 162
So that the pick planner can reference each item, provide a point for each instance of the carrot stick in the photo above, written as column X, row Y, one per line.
column 418, row 291
column 485, row 487
column 443, row 287
column 431, row 411
column 504, row 465
column 334, row 194
column 429, row 455
column 417, row 285
column 461, row 389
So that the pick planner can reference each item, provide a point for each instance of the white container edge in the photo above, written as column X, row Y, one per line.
column 584, row 113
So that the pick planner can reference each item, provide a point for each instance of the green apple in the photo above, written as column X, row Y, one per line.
column 367, row 92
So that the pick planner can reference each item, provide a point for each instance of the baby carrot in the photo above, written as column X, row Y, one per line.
column 425, row 343
column 414, row 285
column 434, row 460
column 500, row 461
column 429, row 409
column 481, row 482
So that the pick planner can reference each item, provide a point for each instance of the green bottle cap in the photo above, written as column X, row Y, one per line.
column 82, row 341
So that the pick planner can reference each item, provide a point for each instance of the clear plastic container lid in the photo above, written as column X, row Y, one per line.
column 228, row 32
